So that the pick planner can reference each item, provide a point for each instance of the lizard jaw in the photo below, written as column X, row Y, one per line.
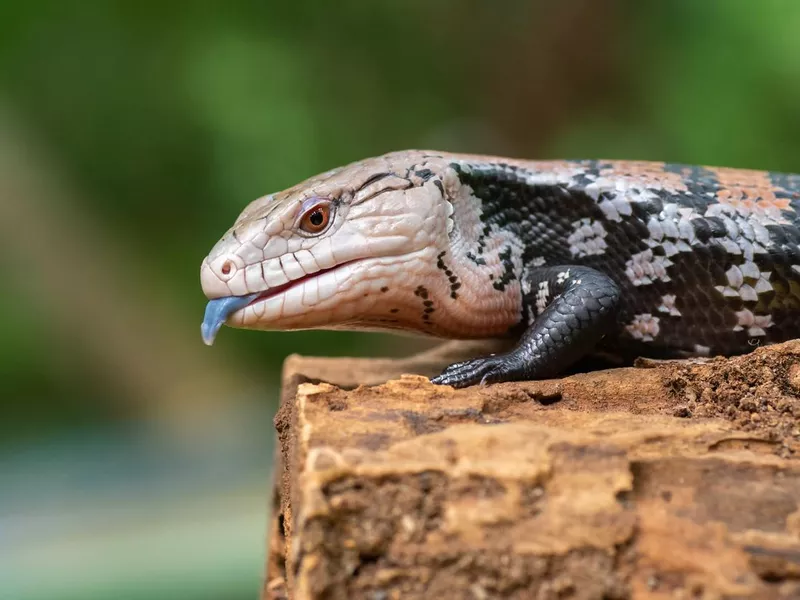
column 221, row 310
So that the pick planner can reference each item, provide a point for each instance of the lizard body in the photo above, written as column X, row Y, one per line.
column 640, row 258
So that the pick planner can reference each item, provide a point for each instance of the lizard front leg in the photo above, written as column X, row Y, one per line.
column 575, row 307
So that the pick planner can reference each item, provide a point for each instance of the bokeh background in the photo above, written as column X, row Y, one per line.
column 134, row 461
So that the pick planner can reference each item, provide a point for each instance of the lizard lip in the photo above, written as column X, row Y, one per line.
column 279, row 289
column 219, row 309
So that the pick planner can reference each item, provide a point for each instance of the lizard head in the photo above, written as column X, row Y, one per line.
column 348, row 249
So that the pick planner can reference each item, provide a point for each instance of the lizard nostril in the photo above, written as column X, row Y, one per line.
column 227, row 266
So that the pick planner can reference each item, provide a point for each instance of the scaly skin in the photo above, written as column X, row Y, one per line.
column 642, row 258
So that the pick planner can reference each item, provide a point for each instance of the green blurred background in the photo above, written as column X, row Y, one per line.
column 134, row 461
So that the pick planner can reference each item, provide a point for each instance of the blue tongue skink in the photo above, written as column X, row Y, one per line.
column 217, row 312
column 631, row 257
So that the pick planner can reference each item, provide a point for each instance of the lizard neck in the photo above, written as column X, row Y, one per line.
column 475, row 287
column 506, row 220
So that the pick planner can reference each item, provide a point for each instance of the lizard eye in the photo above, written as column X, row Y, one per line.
column 316, row 217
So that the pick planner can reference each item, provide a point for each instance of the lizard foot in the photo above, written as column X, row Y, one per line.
column 490, row 369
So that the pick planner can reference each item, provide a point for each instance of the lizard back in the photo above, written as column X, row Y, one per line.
column 708, row 258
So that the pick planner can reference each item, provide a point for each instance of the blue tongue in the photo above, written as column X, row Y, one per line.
column 217, row 312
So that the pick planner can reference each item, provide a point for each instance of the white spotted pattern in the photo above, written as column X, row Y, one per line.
column 746, row 234
column 645, row 267
column 526, row 284
column 745, row 281
column 672, row 230
column 542, row 296
column 618, row 194
column 562, row 277
column 755, row 324
column 588, row 238
column 644, row 327
column 668, row 305
column 701, row 350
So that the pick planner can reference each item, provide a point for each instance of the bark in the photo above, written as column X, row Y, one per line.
column 663, row 480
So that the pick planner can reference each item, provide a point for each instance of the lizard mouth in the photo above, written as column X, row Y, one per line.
column 219, row 309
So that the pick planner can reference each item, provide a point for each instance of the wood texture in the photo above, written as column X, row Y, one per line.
column 666, row 480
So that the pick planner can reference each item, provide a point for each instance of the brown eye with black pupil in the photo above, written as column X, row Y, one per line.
column 316, row 219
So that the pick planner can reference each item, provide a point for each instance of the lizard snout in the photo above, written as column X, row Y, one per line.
column 219, row 275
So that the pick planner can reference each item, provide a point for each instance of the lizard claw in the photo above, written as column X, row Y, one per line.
column 490, row 369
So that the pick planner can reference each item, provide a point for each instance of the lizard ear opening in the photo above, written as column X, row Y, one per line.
column 315, row 216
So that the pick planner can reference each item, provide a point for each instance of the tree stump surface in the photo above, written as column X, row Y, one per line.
column 664, row 480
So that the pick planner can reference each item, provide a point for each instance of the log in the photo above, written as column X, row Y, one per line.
column 677, row 479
